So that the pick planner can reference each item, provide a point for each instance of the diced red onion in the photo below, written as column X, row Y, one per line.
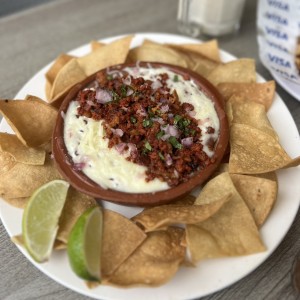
column 117, row 131
column 90, row 102
column 133, row 149
column 164, row 108
column 201, row 122
column 192, row 113
column 142, row 112
column 170, row 115
column 187, row 142
column 173, row 131
column 163, row 100
column 87, row 106
column 169, row 160
column 129, row 92
column 127, row 80
column 120, row 147
column 79, row 166
column 156, row 85
column 103, row 96
column 159, row 120
column 169, row 130
column 163, row 91
column 114, row 72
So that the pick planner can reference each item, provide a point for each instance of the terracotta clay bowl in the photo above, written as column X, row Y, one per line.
column 82, row 183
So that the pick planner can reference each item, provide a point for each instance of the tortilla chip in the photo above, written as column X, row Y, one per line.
column 262, row 93
column 270, row 176
column 121, row 237
column 18, row 240
column 240, row 70
column 32, row 121
column 162, row 216
column 185, row 200
column 95, row 45
column 154, row 262
column 251, row 114
column 209, row 49
column 59, row 62
column 221, row 169
column 67, row 77
column 76, row 204
column 229, row 232
column 58, row 245
column 108, row 55
column 199, row 63
column 195, row 61
column 19, row 180
column 48, row 88
column 16, row 202
column 255, row 152
column 11, row 144
column 7, row 162
column 258, row 193
column 80, row 68
column 202, row 65
column 157, row 53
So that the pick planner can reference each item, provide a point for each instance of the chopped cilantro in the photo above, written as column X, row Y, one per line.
column 177, row 118
column 115, row 96
column 147, row 123
column 123, row 90
column 160, row 134
column 147, row 146
column 151, row 113
column 133, row 119
column 181, row 122
column 175, row 79
column 173, row 141
column 161, row 156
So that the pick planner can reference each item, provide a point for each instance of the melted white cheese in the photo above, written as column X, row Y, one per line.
column 106, row 166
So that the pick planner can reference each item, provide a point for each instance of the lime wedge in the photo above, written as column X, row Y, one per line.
column 40, row 218
column 84, row 245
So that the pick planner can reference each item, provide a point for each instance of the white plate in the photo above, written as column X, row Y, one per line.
column 210, row 275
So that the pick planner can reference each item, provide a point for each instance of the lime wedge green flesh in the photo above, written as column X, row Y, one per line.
column 41, row 217
column 84, row 245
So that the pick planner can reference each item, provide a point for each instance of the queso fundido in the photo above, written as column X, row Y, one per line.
column 141, row 129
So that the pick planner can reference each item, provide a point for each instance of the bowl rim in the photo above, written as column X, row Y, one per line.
column 84, row 184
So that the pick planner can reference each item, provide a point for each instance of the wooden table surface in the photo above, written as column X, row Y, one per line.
column 31, row 38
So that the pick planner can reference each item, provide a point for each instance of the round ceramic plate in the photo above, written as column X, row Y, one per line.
column 210, row 275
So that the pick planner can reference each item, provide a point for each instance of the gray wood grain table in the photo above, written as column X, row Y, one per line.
column 31, row 38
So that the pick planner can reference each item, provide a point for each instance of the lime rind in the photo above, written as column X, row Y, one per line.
column 41, row 217
column 84, row 245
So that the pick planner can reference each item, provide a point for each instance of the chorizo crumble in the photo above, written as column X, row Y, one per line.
column 145, row 119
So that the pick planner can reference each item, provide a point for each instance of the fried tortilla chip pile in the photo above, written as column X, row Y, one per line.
column 222, row 221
